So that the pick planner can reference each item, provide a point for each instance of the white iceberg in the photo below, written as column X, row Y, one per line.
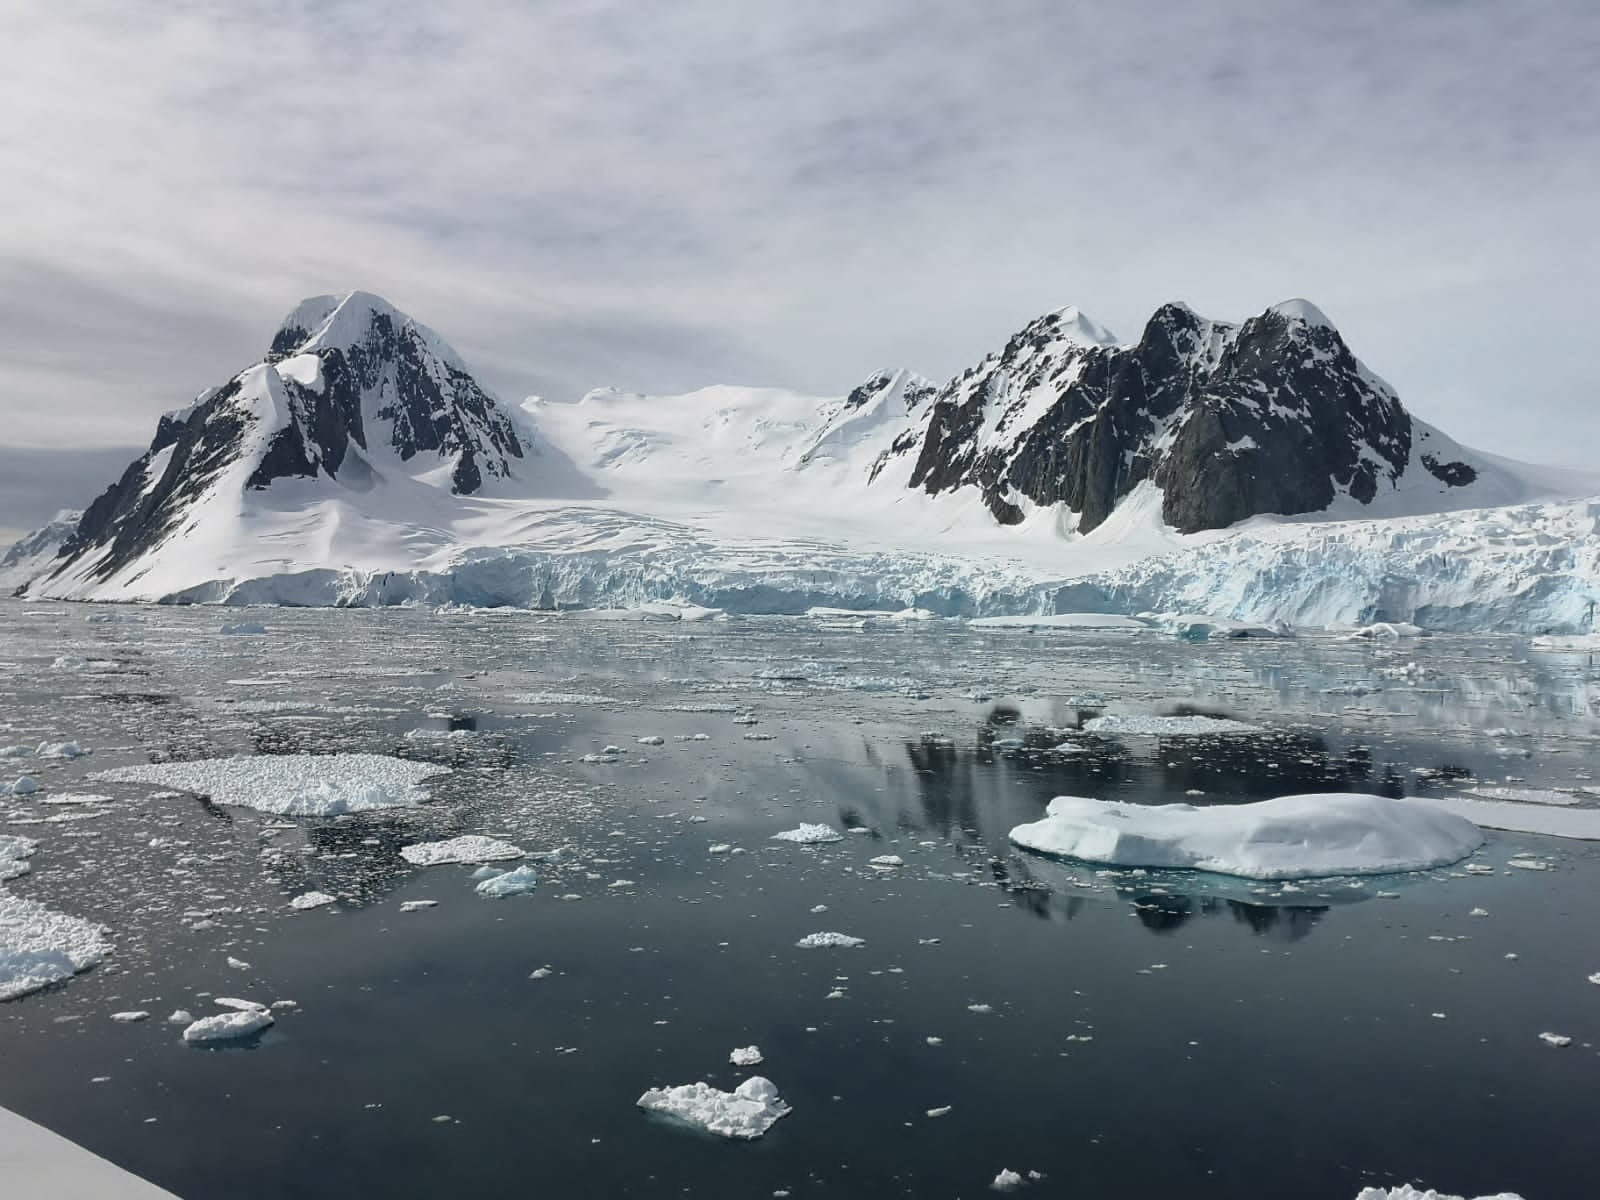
column 1291, row 837
column 227, row 1026
column 292, row 785
column 806, row 834
column 470, row 848
column 746, row 1056
column 511, row 883
column 308, row 900
column 747, row 1112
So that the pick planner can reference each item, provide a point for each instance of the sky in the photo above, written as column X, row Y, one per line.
column 664, row 196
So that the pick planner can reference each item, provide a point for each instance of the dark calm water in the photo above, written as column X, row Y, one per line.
column 1146, row 1035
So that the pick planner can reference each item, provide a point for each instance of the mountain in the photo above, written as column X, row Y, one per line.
column 351, row 391
column 1271, row 416
column 32, row 555
column 1255, row 470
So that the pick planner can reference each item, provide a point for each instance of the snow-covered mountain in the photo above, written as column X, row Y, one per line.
column 352, row 392
column 1228, row 421
column 1255, row 470
column 32, row 555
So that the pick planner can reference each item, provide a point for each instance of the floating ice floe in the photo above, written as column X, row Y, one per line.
column 227, row 1026
column 511, row 883
column 39, row 946
column 128, row 1018
column 819, row 941
column 470, row 848
column 1555, row 1039
column 1406, row 1192
column 747, row 1112
column 410, row 906
column 1129, row 725
column 67, row 750
column 1291, row 837
column 296, row 785
column 1061, row 621
column 746, row 1056
column 307, row 900
column 809, row 835
column 1552, row 820
column 886, row 862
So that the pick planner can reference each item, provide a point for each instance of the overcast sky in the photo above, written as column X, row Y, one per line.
column 661, row 196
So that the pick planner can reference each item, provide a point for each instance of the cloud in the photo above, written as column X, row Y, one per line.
column 665, row 196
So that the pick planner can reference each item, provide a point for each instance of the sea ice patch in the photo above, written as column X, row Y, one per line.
column 1131, row 725
column 825, row 940
column 469, row 848
column 296, row 785
column 807, row 834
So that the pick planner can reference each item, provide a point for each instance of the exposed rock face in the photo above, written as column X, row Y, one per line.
column 1228, row 421
column 351, row 388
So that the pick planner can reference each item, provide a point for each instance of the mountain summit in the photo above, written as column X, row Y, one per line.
column 1274, row 415
column 351, row 390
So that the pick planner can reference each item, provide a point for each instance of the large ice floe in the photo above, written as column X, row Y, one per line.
column 1291, row 837
column 747, row 1112
column 38, row 946
column 292, row 785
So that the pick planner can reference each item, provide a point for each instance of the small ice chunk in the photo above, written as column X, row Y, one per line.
column 652, row 740
column 746, row 1056
column 238, row 964
column 1007, row 1181
column 227, row 1026
column 512, row 883
column 307, row 900
column 128, row 1018
column 470, row 848
column 181, row 1016
column 719, row 848
column 980, row 1009
column 416, row 905
column 1406, row 1192
column 941, row 1111
column 887, row 861
column 807, row 834
column 25, row 785
column 1555, row 1039
column 747, row 1112
column 818, row 941
column 60, row 750
column 543, row 972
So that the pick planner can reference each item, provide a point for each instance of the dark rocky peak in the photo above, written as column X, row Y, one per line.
column 1274, row 415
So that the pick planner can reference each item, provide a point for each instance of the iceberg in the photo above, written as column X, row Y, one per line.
column 512, row 883
column 227, row 1026
column 1291, row 837
column 747, row 1112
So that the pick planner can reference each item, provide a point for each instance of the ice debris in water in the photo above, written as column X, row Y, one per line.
column 511, row 883
column 819, row 941
column 1555, row 1039
column 39, row 946
column 227, row 1026
column 296, row 785
column 809, row 835
column 61, row 750
column 1291, row 837
column 1006, row 1181
column 25, row 785
column 746, row 1056
column 1137, row 726
column 471, row 848
column 307, row 900
column 408, row 906
column 748, row 1111
column 128, row 1018
column 887, row 861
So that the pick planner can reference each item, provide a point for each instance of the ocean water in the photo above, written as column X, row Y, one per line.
column 1120, row 1033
